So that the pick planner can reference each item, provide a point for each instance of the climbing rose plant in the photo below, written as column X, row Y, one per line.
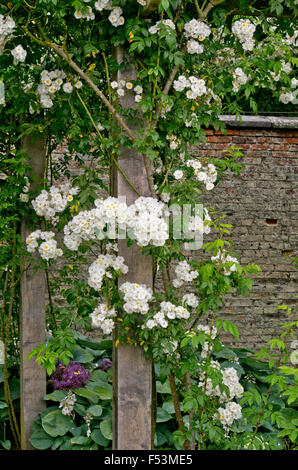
column 65, row 75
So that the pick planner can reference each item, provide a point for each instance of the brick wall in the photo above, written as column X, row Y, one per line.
column 262, row 206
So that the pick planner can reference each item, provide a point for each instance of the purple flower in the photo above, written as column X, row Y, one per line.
column 74, row 375
column 105, row 364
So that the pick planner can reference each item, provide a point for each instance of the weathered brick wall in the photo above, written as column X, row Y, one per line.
column 261, row 204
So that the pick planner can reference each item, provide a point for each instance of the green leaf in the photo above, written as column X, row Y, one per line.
column 56, row 424
column 106, row 428
column 80, row 440
column 163, row 387
column 91, row 396
column 185, row 342
column 6, row 444
column 162, row 415
column 169, row 406
column 99, row 439
column 57, row 442
column 57, row 395
column 81, row 355
column 231, row 328
column 105, row 392
column 95, row 410
column 41, row 440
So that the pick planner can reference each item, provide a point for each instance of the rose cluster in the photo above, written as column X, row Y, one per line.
column 206, row 174
column 47, row 249
column 102, row 317
column 168, row 311
column 48, row 203
column 144, row 221
column 115, row 17
column 196, row 224
column 147, row 223
column 50, row 83
column 191, row 300
column 19, row 54
column 155, row 28
column 196, row 86
column 184, row 274
column 7, row 27
column 136, row 297
column 87, row 13
column 228, row 414
column 123, row 85
column 244, row 30
column 193, row 30
column 230, row 379
column 239, row 78
column 102, row 267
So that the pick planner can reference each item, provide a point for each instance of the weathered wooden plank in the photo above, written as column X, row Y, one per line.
column 32, row 314
column 132, row 404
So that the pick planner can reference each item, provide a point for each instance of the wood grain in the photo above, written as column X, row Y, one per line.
column 32, row 314
column 132, row 405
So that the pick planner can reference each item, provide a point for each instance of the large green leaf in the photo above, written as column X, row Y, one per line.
column 41, row 440
column 99, row 376
column 91, row 396
column 99, row 439
column 57, row 395
column 105, row 392
column 169, row 406
column 81, row 355
column 56, row 424
column 95, row 410
column 163, row 387
column 82, row 440
column 106, row 428
column 162, row 415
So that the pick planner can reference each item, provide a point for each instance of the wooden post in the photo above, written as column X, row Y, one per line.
column 132, row 403
column 32, row 313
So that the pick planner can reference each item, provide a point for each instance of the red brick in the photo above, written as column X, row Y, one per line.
column 291, row 140
column 219, row 139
